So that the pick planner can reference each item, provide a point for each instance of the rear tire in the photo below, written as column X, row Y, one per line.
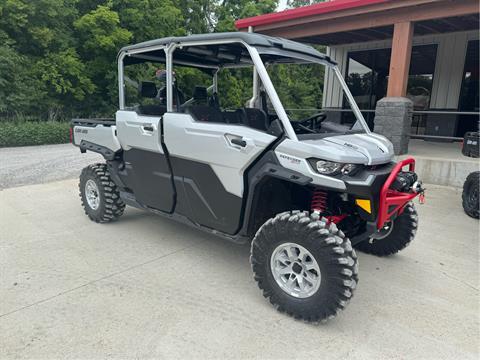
column 315, row 247
column 470, row 200
column 99, row 194
column 401, row 235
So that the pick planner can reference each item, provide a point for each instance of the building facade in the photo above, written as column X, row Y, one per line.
column 423, row 50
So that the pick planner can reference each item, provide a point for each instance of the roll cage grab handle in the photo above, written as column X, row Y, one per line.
column 259, row 71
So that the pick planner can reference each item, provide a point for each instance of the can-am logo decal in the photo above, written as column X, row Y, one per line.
column 350, row 146
column 291, row 159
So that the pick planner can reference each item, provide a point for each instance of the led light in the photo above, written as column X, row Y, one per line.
column 328, row 167
column 349, row 169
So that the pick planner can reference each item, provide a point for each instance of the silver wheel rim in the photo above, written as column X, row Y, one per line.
column 92, row 194
column 295, row 270
column 383, row 232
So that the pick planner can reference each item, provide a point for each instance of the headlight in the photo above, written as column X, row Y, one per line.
column 325, row 167
column 350, row 169
column 328, row 167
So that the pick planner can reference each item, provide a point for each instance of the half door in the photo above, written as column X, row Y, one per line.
column 147, row 169
column 208, row 163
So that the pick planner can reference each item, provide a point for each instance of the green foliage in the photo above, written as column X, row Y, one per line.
column 58, row 57
column 150, row 19
column 16, row 91
column 299, row 3
column 299, row 87
column 100, row 33
column 230, row 10
column 64, row 77
column 22, row 133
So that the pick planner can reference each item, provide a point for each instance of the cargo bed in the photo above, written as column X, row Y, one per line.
column 93, row 122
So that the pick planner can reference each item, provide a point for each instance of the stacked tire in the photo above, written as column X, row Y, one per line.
column 470, row 200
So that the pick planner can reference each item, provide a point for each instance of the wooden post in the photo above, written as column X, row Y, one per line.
column 400, row 59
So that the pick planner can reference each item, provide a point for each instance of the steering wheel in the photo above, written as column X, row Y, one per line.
column 314, row 120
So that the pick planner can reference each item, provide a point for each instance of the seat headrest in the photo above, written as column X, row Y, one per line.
column 200, row 93
column 147, row 89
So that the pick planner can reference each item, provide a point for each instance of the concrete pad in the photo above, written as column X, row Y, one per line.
column 146, row 287
column 441, row 163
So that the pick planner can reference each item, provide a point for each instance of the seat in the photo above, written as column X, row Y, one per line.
column 178, row 97
column 147, row 89
column 263, row 102
column 233, row 116
column 156, row 110
column 206, row 113
column 255, row 118
column 214, row 101
column 200, row 95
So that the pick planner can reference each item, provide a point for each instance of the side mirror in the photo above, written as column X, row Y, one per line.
column 147, row 89
column 275, row 128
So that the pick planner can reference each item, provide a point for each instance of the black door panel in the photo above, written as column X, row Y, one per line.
column 149, row 176
column 209, row 204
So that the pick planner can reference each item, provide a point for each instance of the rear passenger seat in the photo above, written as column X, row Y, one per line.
column 156, row 110
column 206, row 113
column 253, row 118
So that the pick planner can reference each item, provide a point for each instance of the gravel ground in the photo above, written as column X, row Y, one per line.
column 145, row 287
column 28, row 165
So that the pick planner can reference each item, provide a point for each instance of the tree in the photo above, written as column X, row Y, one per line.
column 100, row 32
column 64, row 80
column 17, row 88
column 228, row 11
column 150, row 19
column 58, row 57
column 299, row 3
column 101, row 35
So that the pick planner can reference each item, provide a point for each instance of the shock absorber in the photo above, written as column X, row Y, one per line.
column 319, row 205
column 319, row 201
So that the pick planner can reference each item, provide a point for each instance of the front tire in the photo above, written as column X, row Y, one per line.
column 399, row 236
column 470, row 201
column 99, row 194
column 304, row 266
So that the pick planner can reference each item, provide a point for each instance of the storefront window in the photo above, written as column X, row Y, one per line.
column 367, row 77
column 420, row 78
column 469, row 93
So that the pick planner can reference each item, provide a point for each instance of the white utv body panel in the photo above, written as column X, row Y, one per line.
column 366, row 149
column 211, row 143
column 138, row 131
column 98, row 135
column 376, row 148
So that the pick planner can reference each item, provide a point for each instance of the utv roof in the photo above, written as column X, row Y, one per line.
column 217, row 49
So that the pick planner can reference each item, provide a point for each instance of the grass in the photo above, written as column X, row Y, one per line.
column 23, row 133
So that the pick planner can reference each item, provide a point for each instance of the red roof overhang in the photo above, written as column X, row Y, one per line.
column 305, row 11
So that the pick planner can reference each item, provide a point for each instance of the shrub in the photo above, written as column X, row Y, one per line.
column 17, row 133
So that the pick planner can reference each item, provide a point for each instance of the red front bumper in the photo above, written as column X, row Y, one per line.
column 392, row 202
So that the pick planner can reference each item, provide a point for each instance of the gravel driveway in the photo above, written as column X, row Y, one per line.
column 41, row 164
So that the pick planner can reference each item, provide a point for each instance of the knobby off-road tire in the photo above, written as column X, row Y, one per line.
column 100, row 197
column 470, row 200
column 325, row 244
column 401, row 235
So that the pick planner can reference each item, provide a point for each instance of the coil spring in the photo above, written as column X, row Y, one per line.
column 319, row 201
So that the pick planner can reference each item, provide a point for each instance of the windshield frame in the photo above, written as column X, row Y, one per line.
column 260, row 73
column 300, row 58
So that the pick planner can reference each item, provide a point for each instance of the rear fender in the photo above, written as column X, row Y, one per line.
column 99, row 138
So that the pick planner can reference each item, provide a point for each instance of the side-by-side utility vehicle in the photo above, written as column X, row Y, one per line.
column 304, row 189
